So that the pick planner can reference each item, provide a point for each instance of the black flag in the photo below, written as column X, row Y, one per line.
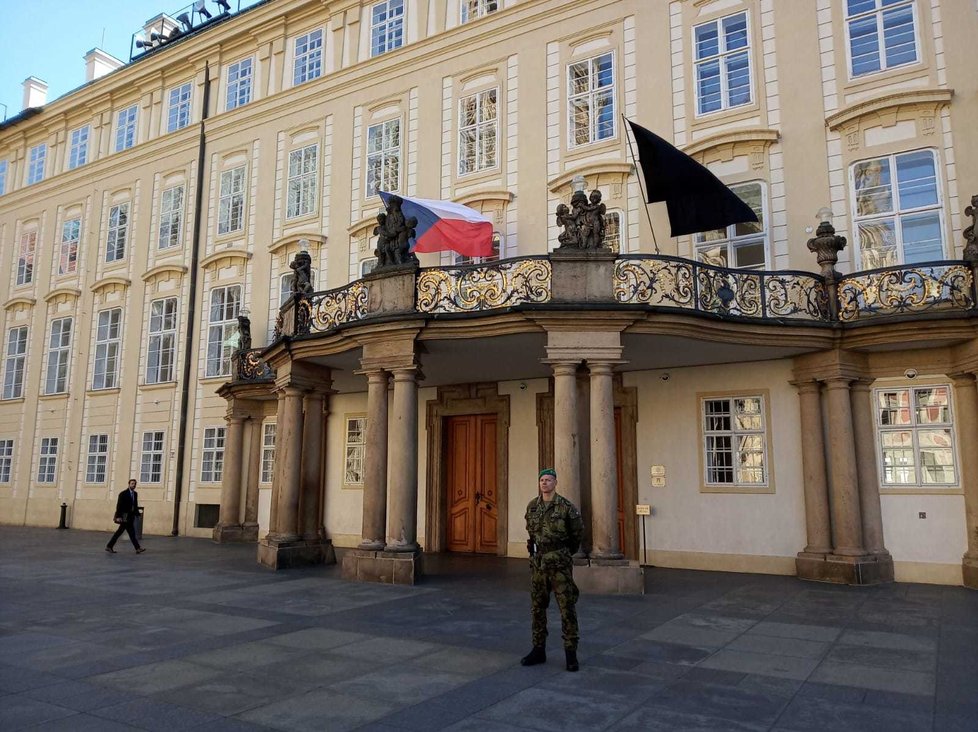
column 696, row 199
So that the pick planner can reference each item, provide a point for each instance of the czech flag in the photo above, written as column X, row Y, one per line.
column 446, row 226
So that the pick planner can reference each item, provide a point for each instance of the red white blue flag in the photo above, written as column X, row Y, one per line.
column 446, row 226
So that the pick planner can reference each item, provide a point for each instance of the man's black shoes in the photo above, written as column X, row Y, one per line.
column 140, row 550
column 110, row 550
column 537, row 655
column 572, row 664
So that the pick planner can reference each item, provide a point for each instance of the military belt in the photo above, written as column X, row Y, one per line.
column 545, row 548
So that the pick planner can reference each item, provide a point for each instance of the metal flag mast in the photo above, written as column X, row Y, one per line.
column 641, row 186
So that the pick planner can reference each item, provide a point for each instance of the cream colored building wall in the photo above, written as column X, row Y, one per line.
column 799, row 76
column 929, row 549
column 749, row 531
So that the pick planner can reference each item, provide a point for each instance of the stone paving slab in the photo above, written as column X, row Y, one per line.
column 194, row 635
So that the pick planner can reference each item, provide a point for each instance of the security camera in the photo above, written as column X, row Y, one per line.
column 522, row 386
column 910, row 373
column 664, row 377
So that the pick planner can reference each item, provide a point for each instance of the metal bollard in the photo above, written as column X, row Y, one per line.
column 64, row 516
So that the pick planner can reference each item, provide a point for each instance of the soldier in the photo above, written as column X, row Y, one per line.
column 555, row 528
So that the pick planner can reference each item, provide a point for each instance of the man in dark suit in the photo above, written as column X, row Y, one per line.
column 125, row 515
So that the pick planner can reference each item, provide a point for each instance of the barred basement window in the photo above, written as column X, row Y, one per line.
column 916, row 436
column 735, row 442
column 355, row 448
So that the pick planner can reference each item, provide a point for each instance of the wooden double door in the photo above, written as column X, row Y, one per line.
column 471, row 472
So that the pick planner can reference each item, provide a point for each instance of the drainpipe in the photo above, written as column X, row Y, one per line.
column 192, row 309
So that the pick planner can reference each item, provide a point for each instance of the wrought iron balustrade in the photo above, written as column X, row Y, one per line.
column 477, row 287
column 906, row 289
column 250, row 366
column 673, row 282
column 324, row 311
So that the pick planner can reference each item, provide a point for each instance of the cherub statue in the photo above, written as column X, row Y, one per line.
column 594, row 213
column 971, row 233
column 302, row 279
column 568, row 237
column 382, row 252
column 244, row 333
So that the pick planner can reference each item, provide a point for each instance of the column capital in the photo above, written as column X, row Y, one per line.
column 806, row 386
column 963, row 378
column 604, row 365
column 406, row 373
column 838, row 382
column 237, row 419
column 562, row 367
column 861, row 385
column 292, row 391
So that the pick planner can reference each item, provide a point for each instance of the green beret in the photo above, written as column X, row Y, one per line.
column 547, row 471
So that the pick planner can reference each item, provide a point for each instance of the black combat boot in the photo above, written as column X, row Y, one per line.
column 572, row 664
column 537, row 655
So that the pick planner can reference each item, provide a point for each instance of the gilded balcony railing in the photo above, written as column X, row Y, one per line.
column 472, row 288
column 250, row 366
column 332, row 308
column 672, row 282
column 926, row 287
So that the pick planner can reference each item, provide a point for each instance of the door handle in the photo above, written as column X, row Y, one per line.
column 478, row 497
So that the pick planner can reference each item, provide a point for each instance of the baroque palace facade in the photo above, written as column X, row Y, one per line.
column 781, row 412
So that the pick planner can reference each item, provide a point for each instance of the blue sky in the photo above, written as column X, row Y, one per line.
column 49, row 38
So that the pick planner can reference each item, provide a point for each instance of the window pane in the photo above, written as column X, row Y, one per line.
column 898, row 36
column 707, row 40
column 864, row 46
column 916, row 179
column 922, row 241
column 877, row 241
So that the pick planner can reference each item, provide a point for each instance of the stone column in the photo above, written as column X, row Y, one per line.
column 868, row 475
column 288, row 451
column 966, row 398
column 273, row 509
column 846, row 521
column 312, row 457
column 817, row 525
column 402, row 528
column 375, row 463
column 230, row 516
column 567, row 447
column 604, row 469
column 252, row 480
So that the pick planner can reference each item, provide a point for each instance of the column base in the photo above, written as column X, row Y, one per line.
column 969, row 569
column 235, row 533
column 389, row 568
column 868, row 569
column 278, row 554
column 610, row 577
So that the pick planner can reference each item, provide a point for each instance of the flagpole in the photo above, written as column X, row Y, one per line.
column 641, row 187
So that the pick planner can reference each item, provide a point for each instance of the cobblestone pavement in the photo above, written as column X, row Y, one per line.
column 195, row 635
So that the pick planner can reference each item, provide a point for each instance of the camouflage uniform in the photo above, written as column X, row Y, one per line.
column 556, row 529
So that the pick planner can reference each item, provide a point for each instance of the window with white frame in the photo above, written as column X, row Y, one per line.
column 735, row 442
column 477, row 118
column 356, row 444
column 6, row 460
column 384, row 157
column 212, row 457
column 285, row 285
column 268, row 452
column 882, row 35
column 115, row 240
column 386, row 26
column 125, row 128
column 78, row 151
column 47, row 463
column 743, row 245
column 162, row 350
column 35, row 165
column 98, row 458
column 14, row 362
column 25, row 258
column 59, row 356
column 151, row 458
column 591, row 100
column 3, row 177
column 472, row 9
column 308, row 63
column 898, row 209
column 70, row 234
column 108, row 344
column 231, row 207
column 239, row 84
column 916, row 436
column 171, row 217
column 178, row 108
column 722, row 49
column 497, row 241
column 612, row 231
column 222, row 329
column 303, row 164
column 368, row 265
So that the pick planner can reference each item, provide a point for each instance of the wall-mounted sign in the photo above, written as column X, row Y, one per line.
column 643, row 509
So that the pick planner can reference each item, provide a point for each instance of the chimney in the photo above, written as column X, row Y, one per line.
column 35, row 92
column 98, row 63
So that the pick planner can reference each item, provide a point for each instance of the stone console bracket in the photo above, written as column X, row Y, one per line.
column 389, row 568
